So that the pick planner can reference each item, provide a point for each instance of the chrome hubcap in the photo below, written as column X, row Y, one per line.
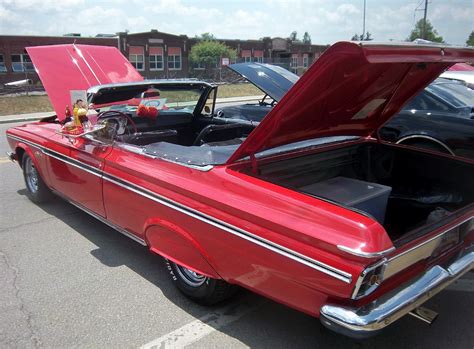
column 31, row 175
column 191, row 277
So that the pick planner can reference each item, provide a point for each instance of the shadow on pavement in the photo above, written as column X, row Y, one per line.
column 271, row 325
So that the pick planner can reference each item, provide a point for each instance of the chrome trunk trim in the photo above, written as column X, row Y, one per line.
column 362, row 254
column 363, row 321
column 421, row 251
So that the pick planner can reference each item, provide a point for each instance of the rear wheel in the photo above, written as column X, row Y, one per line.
column 37, row 190
column 199, row 288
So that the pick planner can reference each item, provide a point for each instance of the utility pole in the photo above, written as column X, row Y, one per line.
column 363, row 23
column 423, row 33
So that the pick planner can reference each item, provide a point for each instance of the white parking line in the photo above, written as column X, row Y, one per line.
column 463, row 285
column 204, row 326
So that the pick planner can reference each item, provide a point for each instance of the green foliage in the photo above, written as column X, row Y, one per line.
column 357, row 37
column 294, row 36
column 470, row 40
column 431, row 34
column 206, row 36
column 209, row 52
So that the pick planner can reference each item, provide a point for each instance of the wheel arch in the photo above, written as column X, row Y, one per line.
column 176, row 244
column 406, row 140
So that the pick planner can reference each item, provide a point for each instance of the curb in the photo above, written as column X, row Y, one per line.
column 30, row 118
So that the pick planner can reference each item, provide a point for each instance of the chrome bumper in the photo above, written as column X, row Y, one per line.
column 11, row 156
column 367, row 320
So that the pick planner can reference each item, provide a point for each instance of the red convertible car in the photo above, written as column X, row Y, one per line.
column 309, row 207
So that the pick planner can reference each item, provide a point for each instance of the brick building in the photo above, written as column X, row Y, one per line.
column 15, row 64
column 156, row 54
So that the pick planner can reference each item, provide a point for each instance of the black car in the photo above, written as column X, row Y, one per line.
column 440, row 118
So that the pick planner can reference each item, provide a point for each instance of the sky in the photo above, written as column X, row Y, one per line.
column 327, row 21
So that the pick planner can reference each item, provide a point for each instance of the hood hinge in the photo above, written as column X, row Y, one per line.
column 253, row 161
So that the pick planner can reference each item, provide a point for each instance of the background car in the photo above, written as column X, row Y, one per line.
column 461, row 72
column 274, row 81
column 440, row 118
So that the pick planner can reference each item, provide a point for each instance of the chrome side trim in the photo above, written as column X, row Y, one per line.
column 362, row 254
column 291, row 254
column 361, row 322
column 312, row 263
column 66, row 159
column 432, row 139
column 102, row 219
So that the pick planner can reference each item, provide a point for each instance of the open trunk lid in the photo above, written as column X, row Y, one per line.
column 351, row 90
column 66, row 68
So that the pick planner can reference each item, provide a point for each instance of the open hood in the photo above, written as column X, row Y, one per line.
column 351, row 90
column 273, row 80
column 66, row 68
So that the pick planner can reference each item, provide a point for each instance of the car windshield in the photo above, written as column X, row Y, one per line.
column 165, row 98
column 456, row 94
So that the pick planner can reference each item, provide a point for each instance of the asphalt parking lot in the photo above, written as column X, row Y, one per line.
column 67, row 280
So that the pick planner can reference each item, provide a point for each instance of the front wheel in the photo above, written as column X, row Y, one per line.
column 200, row 288
column 37, row 190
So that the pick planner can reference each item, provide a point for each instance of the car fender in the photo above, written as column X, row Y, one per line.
column 35, row 156
column 176, row 244
column 426, row 138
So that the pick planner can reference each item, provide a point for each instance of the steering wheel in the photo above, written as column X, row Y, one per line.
column 121, row 120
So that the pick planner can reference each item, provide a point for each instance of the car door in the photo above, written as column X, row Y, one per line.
column 75, row 168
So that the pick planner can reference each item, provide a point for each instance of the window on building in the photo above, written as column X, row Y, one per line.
column 136, row 57
column 258, row 56
column 246, row 55
column 305, row 60
column 174, row 58
column 3, row 67
column 294, row 61
column 22, row 63
column 156, row 58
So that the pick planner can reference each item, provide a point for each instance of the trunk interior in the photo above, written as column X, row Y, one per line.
column 415, row 189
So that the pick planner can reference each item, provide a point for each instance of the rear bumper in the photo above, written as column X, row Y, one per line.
column 367, row 320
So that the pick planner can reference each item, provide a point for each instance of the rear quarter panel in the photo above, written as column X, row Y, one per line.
column 177, row 208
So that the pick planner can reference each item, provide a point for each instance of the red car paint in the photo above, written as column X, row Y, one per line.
column 225, row 224
column 63, row 68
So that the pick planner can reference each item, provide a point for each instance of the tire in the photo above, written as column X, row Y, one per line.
column 201, row 289
column 36, row 189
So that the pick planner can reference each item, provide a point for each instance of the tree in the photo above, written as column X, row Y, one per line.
column 431, row 34
column 357, row 37
column 206, row 36
column 306, row 38
column 470, row 40
column 294, row 36
column 207, row 54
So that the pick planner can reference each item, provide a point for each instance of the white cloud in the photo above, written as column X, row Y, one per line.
column 326, row 21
